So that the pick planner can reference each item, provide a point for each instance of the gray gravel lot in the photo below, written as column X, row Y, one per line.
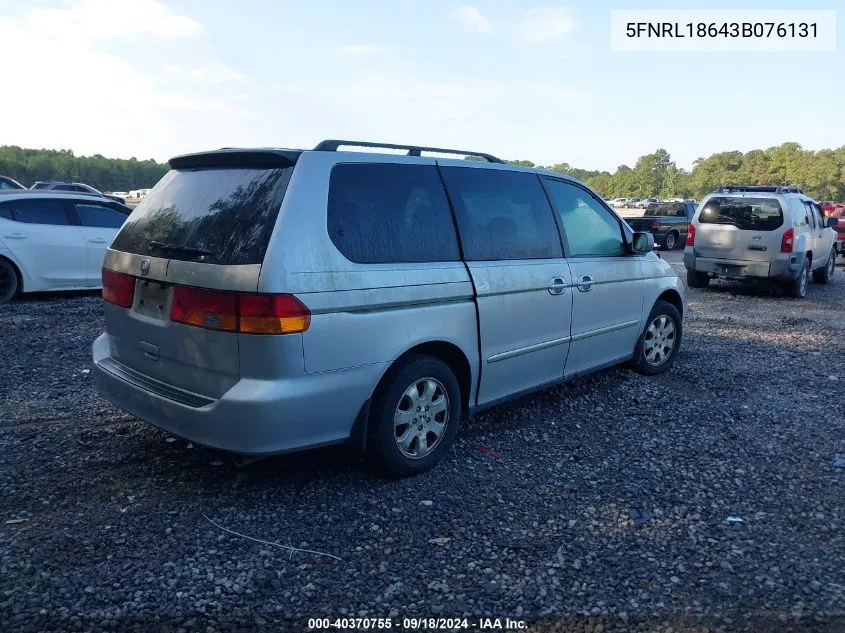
column 102, row 522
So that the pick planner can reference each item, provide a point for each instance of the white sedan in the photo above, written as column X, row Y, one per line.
column 54, row 241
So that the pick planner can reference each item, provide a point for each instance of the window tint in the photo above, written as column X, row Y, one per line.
column 502, row 215
column 64, row 188
column 590, row 229
column 40, row 211
column 214, row 216
column 99, row 215
column 41, row 185
column 6, row 212
column 380, row 213
column 668, row 209
column 751, row 214
column 817, row 213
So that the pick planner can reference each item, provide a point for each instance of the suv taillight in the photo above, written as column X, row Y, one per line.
column 118, row 288
column 787, row 242
column 691, row 235
column 239, row 312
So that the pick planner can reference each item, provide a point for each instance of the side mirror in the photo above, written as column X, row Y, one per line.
column 832, row 222
column 642, row 243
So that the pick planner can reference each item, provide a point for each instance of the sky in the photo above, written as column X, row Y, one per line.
column 157, row 78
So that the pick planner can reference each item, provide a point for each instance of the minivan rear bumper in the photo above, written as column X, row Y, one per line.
column 784, row 266
column 254, row 417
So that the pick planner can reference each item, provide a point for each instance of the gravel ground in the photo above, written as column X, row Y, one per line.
column 106, row 523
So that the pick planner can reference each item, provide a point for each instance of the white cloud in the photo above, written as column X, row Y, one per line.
column 209, row 76
column 471, row 18
column 93, row 101
column 544, row 24
column 358, row 50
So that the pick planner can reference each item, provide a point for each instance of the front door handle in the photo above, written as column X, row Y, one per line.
column 98, row 240
column 585, row 283
column 556, row 285
column 15, row 236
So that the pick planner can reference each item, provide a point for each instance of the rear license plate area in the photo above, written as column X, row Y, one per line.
column 152, row 299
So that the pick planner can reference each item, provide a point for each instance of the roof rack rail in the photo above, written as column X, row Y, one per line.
column 758, row 189
column 332, row 145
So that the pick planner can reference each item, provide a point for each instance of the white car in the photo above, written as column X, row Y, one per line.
column 54, row 241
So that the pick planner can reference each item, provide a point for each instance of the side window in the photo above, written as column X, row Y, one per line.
column 6, row 212
column 817, row 212
column 40, row 212
column 99, row 215
column 64, row 188
column 383, row 213
column 502, row 215
column 591, row 230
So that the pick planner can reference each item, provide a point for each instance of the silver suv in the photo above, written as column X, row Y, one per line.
column 263, row 301
column 755, row 232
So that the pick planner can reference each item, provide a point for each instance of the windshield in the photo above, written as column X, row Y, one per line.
column 216, row 216
column 757, row 214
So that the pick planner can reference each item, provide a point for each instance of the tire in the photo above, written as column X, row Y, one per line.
column 697, row 279
column 797, row 288
column 9, row 282
column 825, row 275
column 670, row 242
column 394, row 397
column 660, row 341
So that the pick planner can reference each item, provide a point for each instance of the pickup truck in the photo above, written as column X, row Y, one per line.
column 667, row 221
column 836, row 210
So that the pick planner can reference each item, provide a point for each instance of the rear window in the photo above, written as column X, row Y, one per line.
column 214, row 216
column 751, row 214
column 672, row 210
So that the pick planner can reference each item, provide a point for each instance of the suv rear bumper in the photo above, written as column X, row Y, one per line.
column 254, row 417
column 783, row 267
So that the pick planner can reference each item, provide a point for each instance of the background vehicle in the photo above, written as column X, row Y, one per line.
column 753, row 232
column 418, row 290
column 643, row 204
column 619, row 203
column 836, row 210
column 54, row 240
column 667, row 221
column 77, row 187
column 9, row 183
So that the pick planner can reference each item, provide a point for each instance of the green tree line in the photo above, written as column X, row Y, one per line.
column 106, row 174
column 820, row 174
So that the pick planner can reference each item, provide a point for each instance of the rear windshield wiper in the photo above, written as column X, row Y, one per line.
column 175, row 248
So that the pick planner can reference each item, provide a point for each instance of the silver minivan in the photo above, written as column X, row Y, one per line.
column 263, row 301
column 750, row 232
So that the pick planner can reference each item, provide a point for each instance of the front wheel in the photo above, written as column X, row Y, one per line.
column 825, row 275
column 415, row 416
column 8, row 281
column 660, row 341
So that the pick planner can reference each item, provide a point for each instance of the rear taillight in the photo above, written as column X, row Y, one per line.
column 239, row 312
column 691, row 235
column 787, row 242
column 118, row 288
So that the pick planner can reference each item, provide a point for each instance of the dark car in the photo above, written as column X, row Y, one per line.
column 9, row 183
column 667, row 221
column 77, row 187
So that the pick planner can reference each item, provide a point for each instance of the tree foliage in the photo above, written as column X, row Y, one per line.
column 106, row 174
column 821, row 174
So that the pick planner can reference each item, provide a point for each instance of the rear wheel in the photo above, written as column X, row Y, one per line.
column 697, row 279
column 659, row 343
column 671, row 241
column 824, row 275
column 8, row 281
column 415, row 416
column 797, row 288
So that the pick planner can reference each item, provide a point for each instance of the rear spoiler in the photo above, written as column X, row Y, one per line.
column 231, row 157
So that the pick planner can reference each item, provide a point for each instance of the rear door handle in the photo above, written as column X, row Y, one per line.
column 556, row 285
column 15, row 236
column 98, row 240
column 585, row 283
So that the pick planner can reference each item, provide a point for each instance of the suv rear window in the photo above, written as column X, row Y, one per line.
column 750, row 214
column 669, row 209
column 214, row 216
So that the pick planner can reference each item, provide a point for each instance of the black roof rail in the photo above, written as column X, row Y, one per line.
column 758, row 189
column 332, row 145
